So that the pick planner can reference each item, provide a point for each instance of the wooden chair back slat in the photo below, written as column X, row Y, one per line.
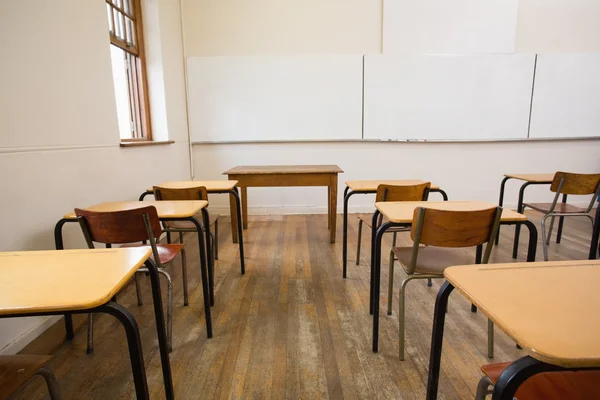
column 576, row 184
column 196, row 193
column 445, row 228
column 418, row 192
column 118, row 227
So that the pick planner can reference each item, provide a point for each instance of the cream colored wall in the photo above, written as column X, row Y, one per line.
column 57, row 104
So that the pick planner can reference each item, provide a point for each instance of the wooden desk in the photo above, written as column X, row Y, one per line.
column 528, row 179
column 289, row 175
column 370, row 187
column 211, row 187
column 167, row 211
column 401, row 214
column 40, row 283
column 552, row 309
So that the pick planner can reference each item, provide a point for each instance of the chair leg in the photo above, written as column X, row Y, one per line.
column 394, row 239
column 216, row 247
column 51, row 382
column 360, row 224
column 401, row 306
column 490, row 339
column 184, row 277
column 484, row 388
column 544, row 244
column 90, row 335
column 138, row 289
column 169, row 309
column 550, row 230
column 429, row 282
column 391, row 284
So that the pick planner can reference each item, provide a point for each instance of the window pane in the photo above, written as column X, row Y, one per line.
column 130, row 31
column 111, row 27
column 127, row 7
column 123, row 100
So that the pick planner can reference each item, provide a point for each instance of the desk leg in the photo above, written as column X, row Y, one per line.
column 160, row 328
column 478, row 256
column 238, row 226
column 373, row 235
column 204, row 273
column 501, row 202
column 595, row 235
column 533, row 239
column 377, row 282
column 234, row 205
column 209, row 259
column 328, row 207
column 333, row 186
column 59, row 245
column 135, row 347
column 561, row 221
column 437, row 336
column 345, row 233
column 245, row 206
column 518, row 226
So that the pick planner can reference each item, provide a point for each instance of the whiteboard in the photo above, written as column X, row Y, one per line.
column 449, row 26
column 265, row 98
column 566, row 99
column 447, row 97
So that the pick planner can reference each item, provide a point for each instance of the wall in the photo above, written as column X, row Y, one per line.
column 465, row 170
column 59, row 143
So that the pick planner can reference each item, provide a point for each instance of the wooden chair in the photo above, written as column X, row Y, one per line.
column 566, row 183
column 418, row 192
column 197, row 193
column 16, row 371
column 572, row 385
column 442, row 232
column 126, row 228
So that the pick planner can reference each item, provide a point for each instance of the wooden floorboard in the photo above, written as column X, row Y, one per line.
column 292, row 327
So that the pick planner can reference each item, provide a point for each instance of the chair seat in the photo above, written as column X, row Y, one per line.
column 433, row 260
column 189, row 225
column 563, row 208
column 367, row 219
column 166, row 252
column 570, row 385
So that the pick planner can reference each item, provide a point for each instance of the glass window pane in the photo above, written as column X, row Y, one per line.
column 109, row 14
column 130, row 31
column 123, row 100
column 127, row 6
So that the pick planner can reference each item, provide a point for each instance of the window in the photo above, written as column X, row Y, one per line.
column 128, row 66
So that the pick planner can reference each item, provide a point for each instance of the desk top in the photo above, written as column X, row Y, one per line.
column 371, row 185
column 283, row 169
column 402, row 211
column 534, row 178
column 552, row 309
column 65, row 280
column 211, row 186
column 165, row 209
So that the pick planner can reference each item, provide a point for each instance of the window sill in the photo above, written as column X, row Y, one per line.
column 146, row 143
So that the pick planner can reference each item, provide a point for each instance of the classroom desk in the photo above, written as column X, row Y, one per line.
column 529, row 179
column 552, row 309
column 167, row 211
column 40, row 283
column 215, row 187
column 289, row 175
column 401, row 214
column 370, row 187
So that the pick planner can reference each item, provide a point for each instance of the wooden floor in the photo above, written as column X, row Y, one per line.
column 292, row 327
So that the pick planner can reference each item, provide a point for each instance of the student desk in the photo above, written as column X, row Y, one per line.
column 167, row 211
column 552, row 309
column 289, row 175
column 36, row 283
column 215, row 187
column 401, row 214
column 529, row 179
column 370, row 187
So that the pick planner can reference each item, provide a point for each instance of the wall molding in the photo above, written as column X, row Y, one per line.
column 37, row 149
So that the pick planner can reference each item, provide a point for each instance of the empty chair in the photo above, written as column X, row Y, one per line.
column 566, row 183
column 438, row 236
column 572, row 385
column 126, row 228
column 418, row 192
column 16, row 371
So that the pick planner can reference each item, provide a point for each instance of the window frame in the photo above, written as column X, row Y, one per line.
column 139, row 101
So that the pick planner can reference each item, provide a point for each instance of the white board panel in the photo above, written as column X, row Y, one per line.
column 566, row 98
column 449, row 26
column 264, row 98
column 448, row 97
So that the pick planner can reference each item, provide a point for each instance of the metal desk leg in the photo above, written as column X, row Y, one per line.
column 501, row 202
column 561, row 220
column 440, row 191
column 373, row 235
column 595, row 235
column 204, row 273
column 59, row 245
column 376, row 279
column 160, row 328
column 533, row 239
column 238, row 213
column 146, row 193
column 437, row 336
column 478, row 255
column 209, row 259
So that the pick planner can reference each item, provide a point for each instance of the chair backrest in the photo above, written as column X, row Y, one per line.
column 118, row 227
column 196, row 193
column 577, row 184
column 418, row 192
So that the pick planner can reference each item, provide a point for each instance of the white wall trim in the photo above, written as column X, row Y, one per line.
column 34, row 149
column 29, row 335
